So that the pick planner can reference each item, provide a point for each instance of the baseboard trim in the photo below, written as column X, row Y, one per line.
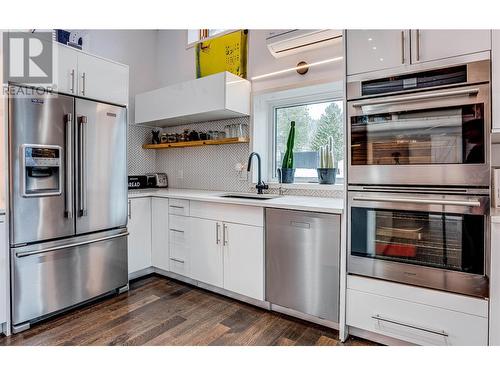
column 376, row 337
column 304, row 316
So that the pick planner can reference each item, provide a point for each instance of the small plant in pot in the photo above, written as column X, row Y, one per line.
column 327, row 171
column 287, row 171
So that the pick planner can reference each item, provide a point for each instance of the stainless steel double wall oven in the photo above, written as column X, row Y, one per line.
column 419, row 177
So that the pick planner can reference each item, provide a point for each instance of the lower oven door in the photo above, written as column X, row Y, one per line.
column 53, row 276
column 429, row 240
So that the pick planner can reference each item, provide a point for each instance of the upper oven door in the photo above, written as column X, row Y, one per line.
column 428, row 138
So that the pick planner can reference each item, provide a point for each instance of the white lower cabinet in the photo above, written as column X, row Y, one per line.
column 244, row 259
column 159, row 233
column 179, row 252
column 139, row 239
column 3, row 273
column 228, row 255
column 495, row 282
column 206, row 251
column 416, row 315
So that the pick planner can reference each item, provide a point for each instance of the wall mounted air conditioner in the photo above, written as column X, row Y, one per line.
column 288, row 42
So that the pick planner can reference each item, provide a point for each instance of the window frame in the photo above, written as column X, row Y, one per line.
column 332, row 91
column 273, row 176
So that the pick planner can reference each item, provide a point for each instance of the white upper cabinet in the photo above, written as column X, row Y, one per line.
column 78, row 73
column 374, row 50
column 102, row 79
column 429, row 45
column 66, row 62
column 215, row 97
column 370, row 50
column 495, row 81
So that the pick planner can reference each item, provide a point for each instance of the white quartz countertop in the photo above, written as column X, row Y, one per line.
column 291, row 202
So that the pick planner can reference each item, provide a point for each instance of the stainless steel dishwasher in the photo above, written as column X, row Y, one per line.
column 302, row 261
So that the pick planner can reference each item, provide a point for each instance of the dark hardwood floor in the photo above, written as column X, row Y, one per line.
column 161, row 311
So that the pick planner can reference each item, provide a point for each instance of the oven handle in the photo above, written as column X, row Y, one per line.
column 430, row 330
column 432, row 95
column 465, row 203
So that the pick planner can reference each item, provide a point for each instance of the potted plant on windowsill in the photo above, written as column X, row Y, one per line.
column 327, row 172
column 287, row 171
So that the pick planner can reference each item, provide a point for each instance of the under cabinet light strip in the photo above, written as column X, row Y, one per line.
column 295, row 68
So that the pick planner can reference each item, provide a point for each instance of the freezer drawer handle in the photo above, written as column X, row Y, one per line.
column 23, row 254
column 430, row 330
column 435, row 95
column 69, row 167
column 420, row 201
column 82, row 166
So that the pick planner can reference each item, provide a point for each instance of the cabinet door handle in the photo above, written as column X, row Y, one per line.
column 72, row 81
column 224, row 235
column 418, row 44
column 177, row 260
column 217, row 240
column 129, row 209
column 429, row 330
column 402, row 47
column 83, row 83
column 177, row 230
column 176, row 207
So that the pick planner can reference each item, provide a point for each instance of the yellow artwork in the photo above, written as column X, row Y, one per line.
column 225, row 53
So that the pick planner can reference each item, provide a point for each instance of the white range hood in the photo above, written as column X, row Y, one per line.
column 215, row 97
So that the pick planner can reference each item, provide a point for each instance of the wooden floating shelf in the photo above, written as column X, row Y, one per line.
column 223, row 141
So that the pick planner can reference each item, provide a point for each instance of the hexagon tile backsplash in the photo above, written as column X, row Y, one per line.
column 204, row 168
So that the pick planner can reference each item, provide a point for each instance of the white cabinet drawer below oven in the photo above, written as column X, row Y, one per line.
column 413, row 322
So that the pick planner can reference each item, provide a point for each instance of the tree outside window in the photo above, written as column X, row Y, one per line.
column 314, row 124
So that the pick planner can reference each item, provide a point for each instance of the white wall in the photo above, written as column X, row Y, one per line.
column 176, row 63
column 260, row 61
column 135, row 48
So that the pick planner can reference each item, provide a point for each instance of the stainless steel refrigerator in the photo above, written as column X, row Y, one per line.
column 68, row 203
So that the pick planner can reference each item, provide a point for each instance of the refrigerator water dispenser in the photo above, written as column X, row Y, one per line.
column 41, row 170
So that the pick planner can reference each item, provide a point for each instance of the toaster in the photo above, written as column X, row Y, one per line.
column 157, row 180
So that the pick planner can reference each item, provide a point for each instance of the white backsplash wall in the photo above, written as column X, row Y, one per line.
column 140, row 161
column 205, row 167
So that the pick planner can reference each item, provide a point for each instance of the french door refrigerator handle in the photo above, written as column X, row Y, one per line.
column 82, row 167
column 69, row 166
column 23, row 254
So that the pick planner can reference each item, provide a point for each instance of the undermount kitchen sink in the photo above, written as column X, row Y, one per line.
column 250, row 196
